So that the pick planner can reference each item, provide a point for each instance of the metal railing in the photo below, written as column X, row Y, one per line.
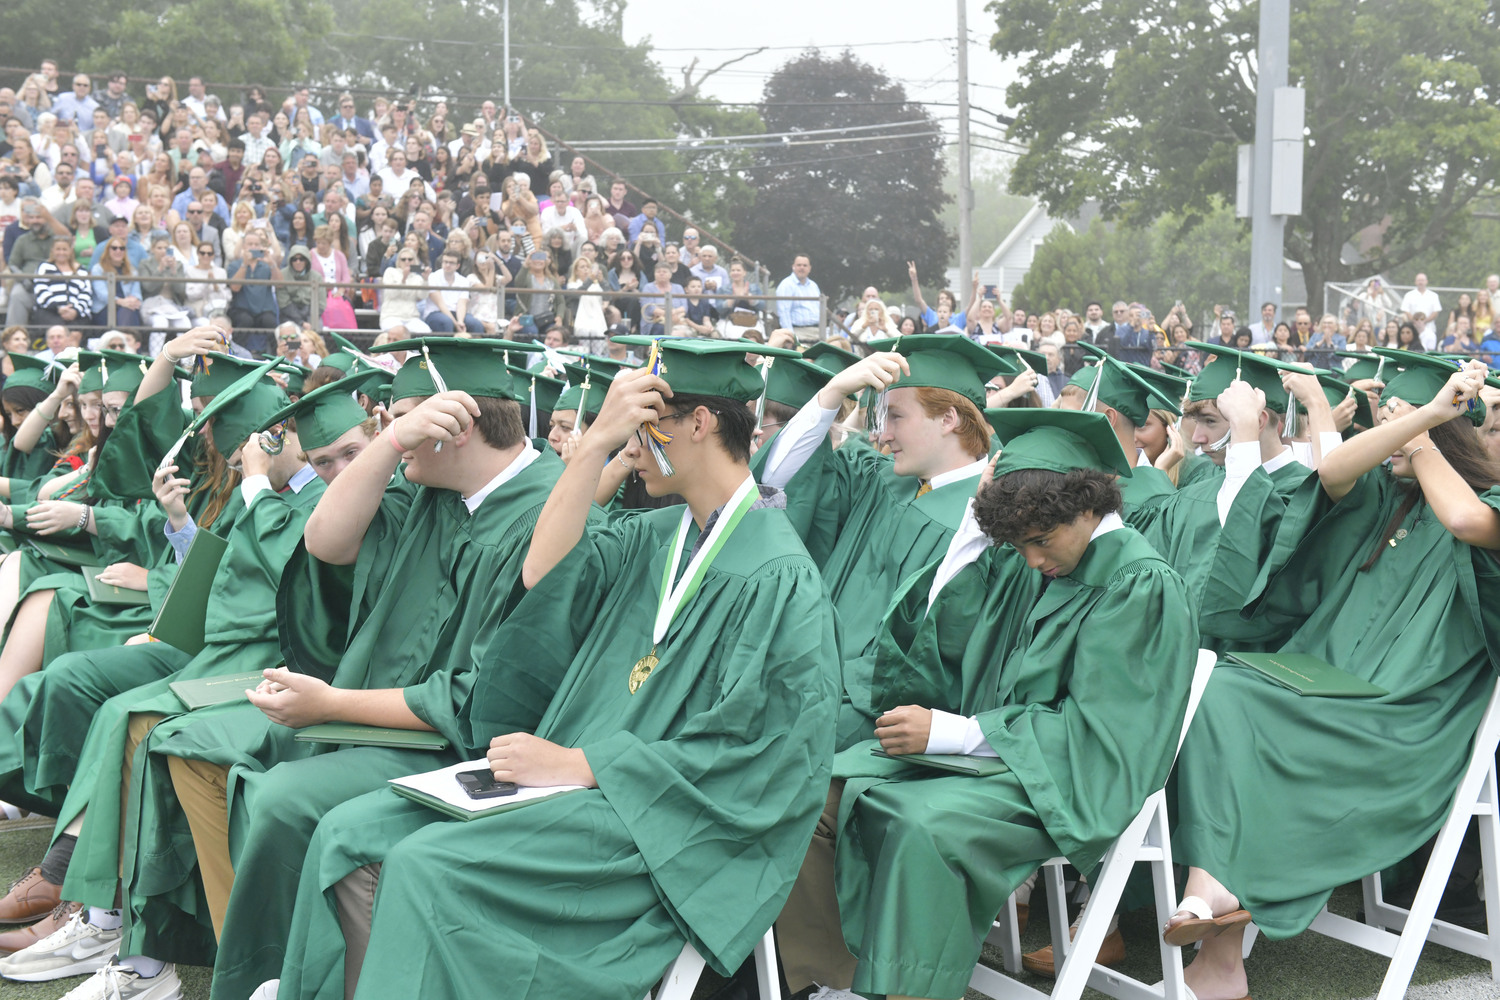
column 320, row 288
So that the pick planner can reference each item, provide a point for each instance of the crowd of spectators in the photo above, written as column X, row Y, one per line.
column 287, row 212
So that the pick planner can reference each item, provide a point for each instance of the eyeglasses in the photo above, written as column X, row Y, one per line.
column 407, row 260
column 195, row 211
column 116, row 249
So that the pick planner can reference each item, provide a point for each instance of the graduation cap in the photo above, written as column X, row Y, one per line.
column 443, row 364
column 1422, row 377
column 1366, row 364
column 117, row 371
column 342, row 360
column 794, row 381
column 585, row 391
column 825, row 355
column 295, row 379
column 213, row 373
column 1056, row 440
column 537, row 393
column 1177, row 371
column 1259, row 371
column 1021, row 358
column 1128, row 388
column 941, row 361
column 237, row 410
column 327, row 413
column 339, row 340
column 710, row 367
column 88, row 366
column 29, row 373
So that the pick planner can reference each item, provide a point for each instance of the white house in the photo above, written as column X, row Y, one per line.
column 1008, row 263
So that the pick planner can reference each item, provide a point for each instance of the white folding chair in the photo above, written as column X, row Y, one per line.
column 1476, row 797
column 1145, row 839
column 682, row 975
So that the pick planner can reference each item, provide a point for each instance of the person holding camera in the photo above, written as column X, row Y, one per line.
column 252, row 308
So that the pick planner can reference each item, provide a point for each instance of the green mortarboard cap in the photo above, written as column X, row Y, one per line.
column 572, row 398
column 599, row 362
column 1365, row 364
column 945, row 361
column 30, row 373
column 325, row 414
column 122, row 371
column 219, row 371
column 825, row 355
column 546, row 387
column 295, row 379
column 1422, row 378
column 1258, row 370
column 710, row 367
column 93, row 377
column 474, row 365
column 1132, row 390
column 1056, row 440
column 1177, row 371
column 237, row 409
column 342, row 360
column 1035, row 360
column 794, row 381
column 338, row 340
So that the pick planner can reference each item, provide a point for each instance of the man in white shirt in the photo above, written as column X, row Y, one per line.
column 561, row 215
column 396, row 176
column 1261, row 332
column 1421, row 306
column 61, row 190
column 715, row 278
column 447, row 308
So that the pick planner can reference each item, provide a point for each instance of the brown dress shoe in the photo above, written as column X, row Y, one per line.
column 1111, row 952
column 24, row 937
column 30, row 896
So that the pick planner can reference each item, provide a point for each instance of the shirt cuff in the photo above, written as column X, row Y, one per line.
column 957, row 734
column 1240, row 460
column 180, row 540
column 1328, row 441
column 252, row 486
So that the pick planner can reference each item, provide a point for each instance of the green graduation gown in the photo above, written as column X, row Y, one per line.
column 101, row 690
column 924, row 859
column 710, row 778
column 885, row 533
column 33, row 464
column 440, row 581
column 1282, row 797
column 1184, row 527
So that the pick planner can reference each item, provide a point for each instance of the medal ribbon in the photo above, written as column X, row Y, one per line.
column 673, row 598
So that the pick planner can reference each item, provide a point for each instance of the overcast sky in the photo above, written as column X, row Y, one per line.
column 918, row 52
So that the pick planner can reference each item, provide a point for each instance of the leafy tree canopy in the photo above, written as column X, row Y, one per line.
column 861, row 210
column 1141, row 104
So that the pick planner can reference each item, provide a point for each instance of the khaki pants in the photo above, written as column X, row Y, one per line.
column 202, row 791
column 354, row 895
column 809, row 935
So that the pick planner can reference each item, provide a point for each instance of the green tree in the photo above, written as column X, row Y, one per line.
column 571, row 73
column 196, row 37
column 860, row 209
column 1141, row 104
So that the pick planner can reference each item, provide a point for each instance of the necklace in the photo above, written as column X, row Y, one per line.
column 672, row 598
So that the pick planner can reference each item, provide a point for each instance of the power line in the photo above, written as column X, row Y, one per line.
column 735, row 147
column 793, row 163
column 469, row 42
column 755, row 135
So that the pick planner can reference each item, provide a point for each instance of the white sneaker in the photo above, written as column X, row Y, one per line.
column 74, row 949
column 829, row 993
column 121, row 982
column 267, row 990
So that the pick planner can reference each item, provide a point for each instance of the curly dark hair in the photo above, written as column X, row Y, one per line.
column 1030, row 502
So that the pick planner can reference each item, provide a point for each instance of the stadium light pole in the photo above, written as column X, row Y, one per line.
column 505, row 21
column 965, row 187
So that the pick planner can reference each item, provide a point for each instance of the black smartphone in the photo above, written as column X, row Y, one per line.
column 481, row 784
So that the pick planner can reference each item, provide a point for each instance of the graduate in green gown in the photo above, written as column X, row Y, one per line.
column 884, row 516
column 696, row 656
column 1282, row 797
column 440, row 575
column 33, row 382
column 1010, row 648
column 90, row 710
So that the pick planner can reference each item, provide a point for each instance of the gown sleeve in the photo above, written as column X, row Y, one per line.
column 144, row 432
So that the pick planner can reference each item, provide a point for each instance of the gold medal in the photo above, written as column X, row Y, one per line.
column 642, row 670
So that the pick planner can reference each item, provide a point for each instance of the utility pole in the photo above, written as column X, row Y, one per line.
column 1275, row 180
column 505, row 21
column 965, row 189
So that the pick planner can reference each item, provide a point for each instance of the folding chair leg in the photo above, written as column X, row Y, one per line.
column 766, row 969
column 1006, row 935
column 1489, row 840
column 682, row 975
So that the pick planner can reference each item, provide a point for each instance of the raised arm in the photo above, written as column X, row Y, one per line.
column 916, row 289
column 1341, row 470
column 635, row 397
column 41, row 415
column 199, row 340
column 336, row 529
